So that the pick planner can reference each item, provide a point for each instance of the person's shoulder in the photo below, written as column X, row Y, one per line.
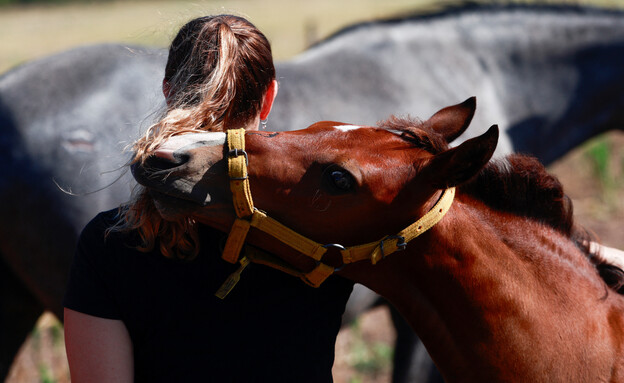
column 106, row 218
column 102, row 229
column 102, row 222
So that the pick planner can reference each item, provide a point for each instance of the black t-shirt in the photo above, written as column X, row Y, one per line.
column 270, row 328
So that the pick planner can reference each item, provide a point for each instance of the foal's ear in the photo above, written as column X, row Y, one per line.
column 452, row 121
column 457, row 165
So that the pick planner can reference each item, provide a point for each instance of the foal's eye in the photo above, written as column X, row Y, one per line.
column 340, row 180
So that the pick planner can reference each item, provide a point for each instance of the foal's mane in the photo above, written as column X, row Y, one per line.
column 521, row 185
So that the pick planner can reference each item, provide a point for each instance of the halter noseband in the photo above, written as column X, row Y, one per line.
column 248, row 216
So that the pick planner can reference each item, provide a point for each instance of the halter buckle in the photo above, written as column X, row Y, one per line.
column 400, row 245
column 238, row 152
column 235, row 153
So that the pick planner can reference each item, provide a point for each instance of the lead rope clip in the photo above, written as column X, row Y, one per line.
column 232, row 280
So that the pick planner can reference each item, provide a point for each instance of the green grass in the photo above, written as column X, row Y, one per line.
column 46, row 374
column 371, row 359
column 42, row 337
column 368, row 358
column 599, row 152
column 607, row 166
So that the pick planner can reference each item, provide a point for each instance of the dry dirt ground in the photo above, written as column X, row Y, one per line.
column 592, row 175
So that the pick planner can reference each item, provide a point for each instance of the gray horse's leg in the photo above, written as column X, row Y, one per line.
column 412, row 363
column 19, row 311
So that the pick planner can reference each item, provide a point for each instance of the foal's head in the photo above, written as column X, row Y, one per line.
column 330, row 181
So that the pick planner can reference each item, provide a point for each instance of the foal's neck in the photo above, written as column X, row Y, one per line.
column 496, row 297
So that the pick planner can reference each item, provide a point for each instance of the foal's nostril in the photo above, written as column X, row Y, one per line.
column 158, row 161
column 155, row 169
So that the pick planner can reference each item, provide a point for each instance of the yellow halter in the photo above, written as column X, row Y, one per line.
column 248, row 216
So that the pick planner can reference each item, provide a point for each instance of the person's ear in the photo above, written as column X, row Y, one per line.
column 166, row 89
column 267, row 102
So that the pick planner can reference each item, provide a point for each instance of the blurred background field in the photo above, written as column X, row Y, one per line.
column 42, row 27
column 593, row 174
column 291, row 25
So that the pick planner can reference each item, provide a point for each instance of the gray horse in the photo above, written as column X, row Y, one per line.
column 550, row 76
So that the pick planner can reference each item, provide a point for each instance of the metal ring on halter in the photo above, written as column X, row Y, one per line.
column 238, row 152
column 401, row 244
column 263, row 124
column 337, row 246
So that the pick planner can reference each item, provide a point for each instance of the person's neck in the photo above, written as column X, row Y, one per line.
column 251, row 125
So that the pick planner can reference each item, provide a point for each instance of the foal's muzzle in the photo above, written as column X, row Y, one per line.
column 178, row 167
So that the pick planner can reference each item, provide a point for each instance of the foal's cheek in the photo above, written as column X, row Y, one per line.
column 320, row 201
column 218, row 218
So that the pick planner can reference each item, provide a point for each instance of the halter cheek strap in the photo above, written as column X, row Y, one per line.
column 248, row 216
column 237, row 168
column 241, row 194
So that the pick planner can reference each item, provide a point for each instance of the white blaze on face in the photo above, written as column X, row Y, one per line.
column 189, row 141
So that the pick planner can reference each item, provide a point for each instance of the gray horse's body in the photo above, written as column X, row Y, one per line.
column 550, row 77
